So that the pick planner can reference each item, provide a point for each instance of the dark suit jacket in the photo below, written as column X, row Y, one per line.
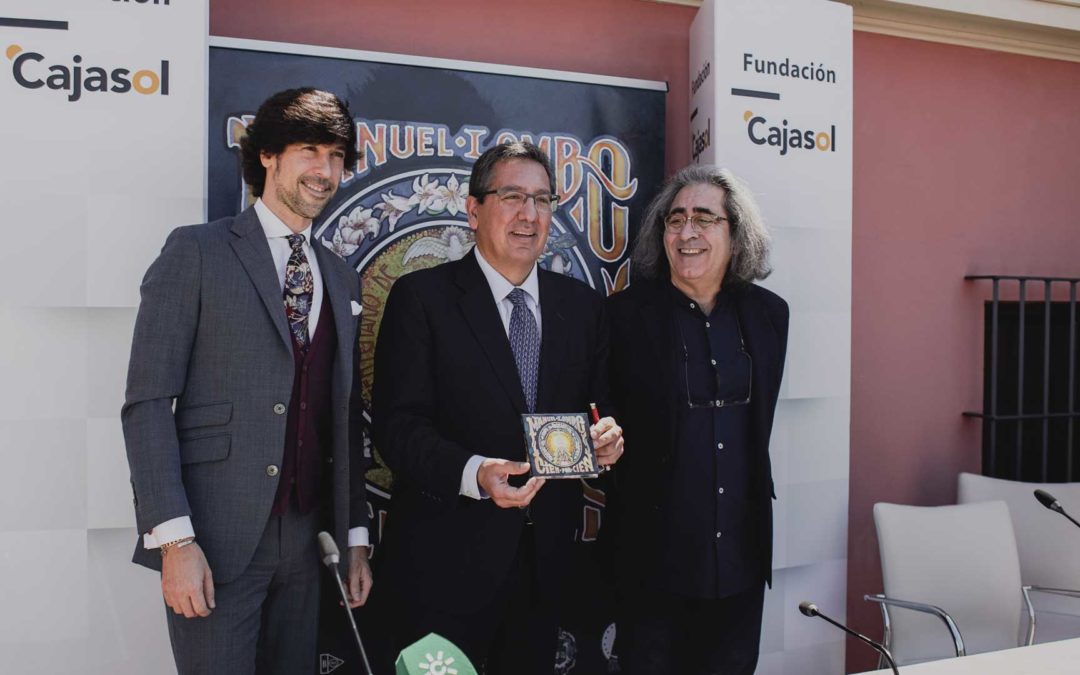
column 211, row 336
column 446, row 387
column 643, row 392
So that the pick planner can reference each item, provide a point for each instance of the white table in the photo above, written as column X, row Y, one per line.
column 1050, row 658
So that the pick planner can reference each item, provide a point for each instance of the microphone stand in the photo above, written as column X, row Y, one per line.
column 811, row 610
column 330, row 554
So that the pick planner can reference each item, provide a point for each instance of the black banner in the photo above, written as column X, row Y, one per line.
column 402, row 208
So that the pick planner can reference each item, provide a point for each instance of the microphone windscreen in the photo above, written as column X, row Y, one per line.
column 433, row 654
column 328, row 548
column 1046, row 499
column 808, row 608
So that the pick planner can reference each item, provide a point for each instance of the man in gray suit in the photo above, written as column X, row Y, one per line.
column 242, row 415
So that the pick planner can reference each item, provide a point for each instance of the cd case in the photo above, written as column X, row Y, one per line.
column 559, row 445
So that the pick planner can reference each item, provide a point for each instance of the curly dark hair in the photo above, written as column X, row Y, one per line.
column 305, row 115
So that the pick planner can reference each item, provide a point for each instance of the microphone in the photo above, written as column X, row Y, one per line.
column 329, row 549
column 811, row 610
column 330, row 557
column 1048, row 500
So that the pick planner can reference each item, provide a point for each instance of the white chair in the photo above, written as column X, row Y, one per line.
column 1048, row 545
column 953, row 565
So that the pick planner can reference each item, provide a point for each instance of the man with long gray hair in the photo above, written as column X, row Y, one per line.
column 697, row 357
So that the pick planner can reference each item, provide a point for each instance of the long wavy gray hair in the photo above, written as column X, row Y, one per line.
column 750, row 240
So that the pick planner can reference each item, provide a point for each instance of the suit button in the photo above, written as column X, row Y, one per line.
column 329, row 460
column 271, row 471
column 279, row 408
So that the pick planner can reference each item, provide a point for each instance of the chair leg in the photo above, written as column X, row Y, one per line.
column 1031, row 615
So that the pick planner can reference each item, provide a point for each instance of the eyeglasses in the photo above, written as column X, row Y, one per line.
column 699, row 222
column 742, row 355
column 515, row 199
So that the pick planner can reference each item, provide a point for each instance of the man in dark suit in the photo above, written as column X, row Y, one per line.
column 248, row 329
column 697, row 358
column 471, row 550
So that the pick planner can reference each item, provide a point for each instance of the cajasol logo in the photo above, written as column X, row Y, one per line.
column 786, row 137
column 32, row 70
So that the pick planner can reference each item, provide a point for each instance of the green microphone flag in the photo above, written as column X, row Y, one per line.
column 433, row 655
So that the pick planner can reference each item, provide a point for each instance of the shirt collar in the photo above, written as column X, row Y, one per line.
column 500, row 287
column 273, row 226
column 680, row 299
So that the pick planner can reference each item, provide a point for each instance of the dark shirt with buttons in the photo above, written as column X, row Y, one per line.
column 708, row 549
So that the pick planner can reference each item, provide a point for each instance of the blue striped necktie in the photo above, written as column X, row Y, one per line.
column 525, row 343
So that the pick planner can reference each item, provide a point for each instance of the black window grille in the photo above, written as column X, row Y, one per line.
column 1030, row 380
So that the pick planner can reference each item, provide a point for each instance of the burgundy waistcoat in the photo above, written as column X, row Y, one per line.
column 308, row 427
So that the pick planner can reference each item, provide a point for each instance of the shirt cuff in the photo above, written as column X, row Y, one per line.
column 170, row 530
column 358, row 536
column 469, row 486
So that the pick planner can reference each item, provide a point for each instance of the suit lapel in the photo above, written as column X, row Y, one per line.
column 656, row 318
column 555, row 329
column 338, row 295
column 254, row 253
column 759, row 338
column 478, row 306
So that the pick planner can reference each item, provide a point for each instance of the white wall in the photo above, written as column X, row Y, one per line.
column 89, row 187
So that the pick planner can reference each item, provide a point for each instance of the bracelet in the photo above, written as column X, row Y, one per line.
column 178, row 543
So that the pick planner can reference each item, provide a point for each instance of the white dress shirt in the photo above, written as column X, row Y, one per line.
column 277, row 234
column 500, row 293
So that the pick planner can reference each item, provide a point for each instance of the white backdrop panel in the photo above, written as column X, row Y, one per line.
column 746, row 105
column 99, row 178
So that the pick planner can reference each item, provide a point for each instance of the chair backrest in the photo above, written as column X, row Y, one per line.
column 960, row 558
column 1048, row 544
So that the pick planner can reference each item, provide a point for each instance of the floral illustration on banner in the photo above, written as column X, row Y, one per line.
column 429, row 197
column 351, row 230
column 435, row 199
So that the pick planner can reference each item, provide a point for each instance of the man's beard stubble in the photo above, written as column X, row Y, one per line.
column 295, row 201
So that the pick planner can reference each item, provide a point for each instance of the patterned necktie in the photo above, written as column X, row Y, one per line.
column 299, row 287
column 525, row 343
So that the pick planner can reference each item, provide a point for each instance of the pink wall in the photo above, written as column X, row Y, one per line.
column 625, row 38
column 966, row 161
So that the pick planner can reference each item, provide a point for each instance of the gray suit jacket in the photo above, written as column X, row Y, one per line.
column 211, row 336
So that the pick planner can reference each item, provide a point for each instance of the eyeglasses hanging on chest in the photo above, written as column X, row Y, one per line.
column 732, row 374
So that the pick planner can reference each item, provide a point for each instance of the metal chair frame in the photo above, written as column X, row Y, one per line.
column 954, row 631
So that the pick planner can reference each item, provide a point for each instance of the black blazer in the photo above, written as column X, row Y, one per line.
column 446, row 387
column 643, row 392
